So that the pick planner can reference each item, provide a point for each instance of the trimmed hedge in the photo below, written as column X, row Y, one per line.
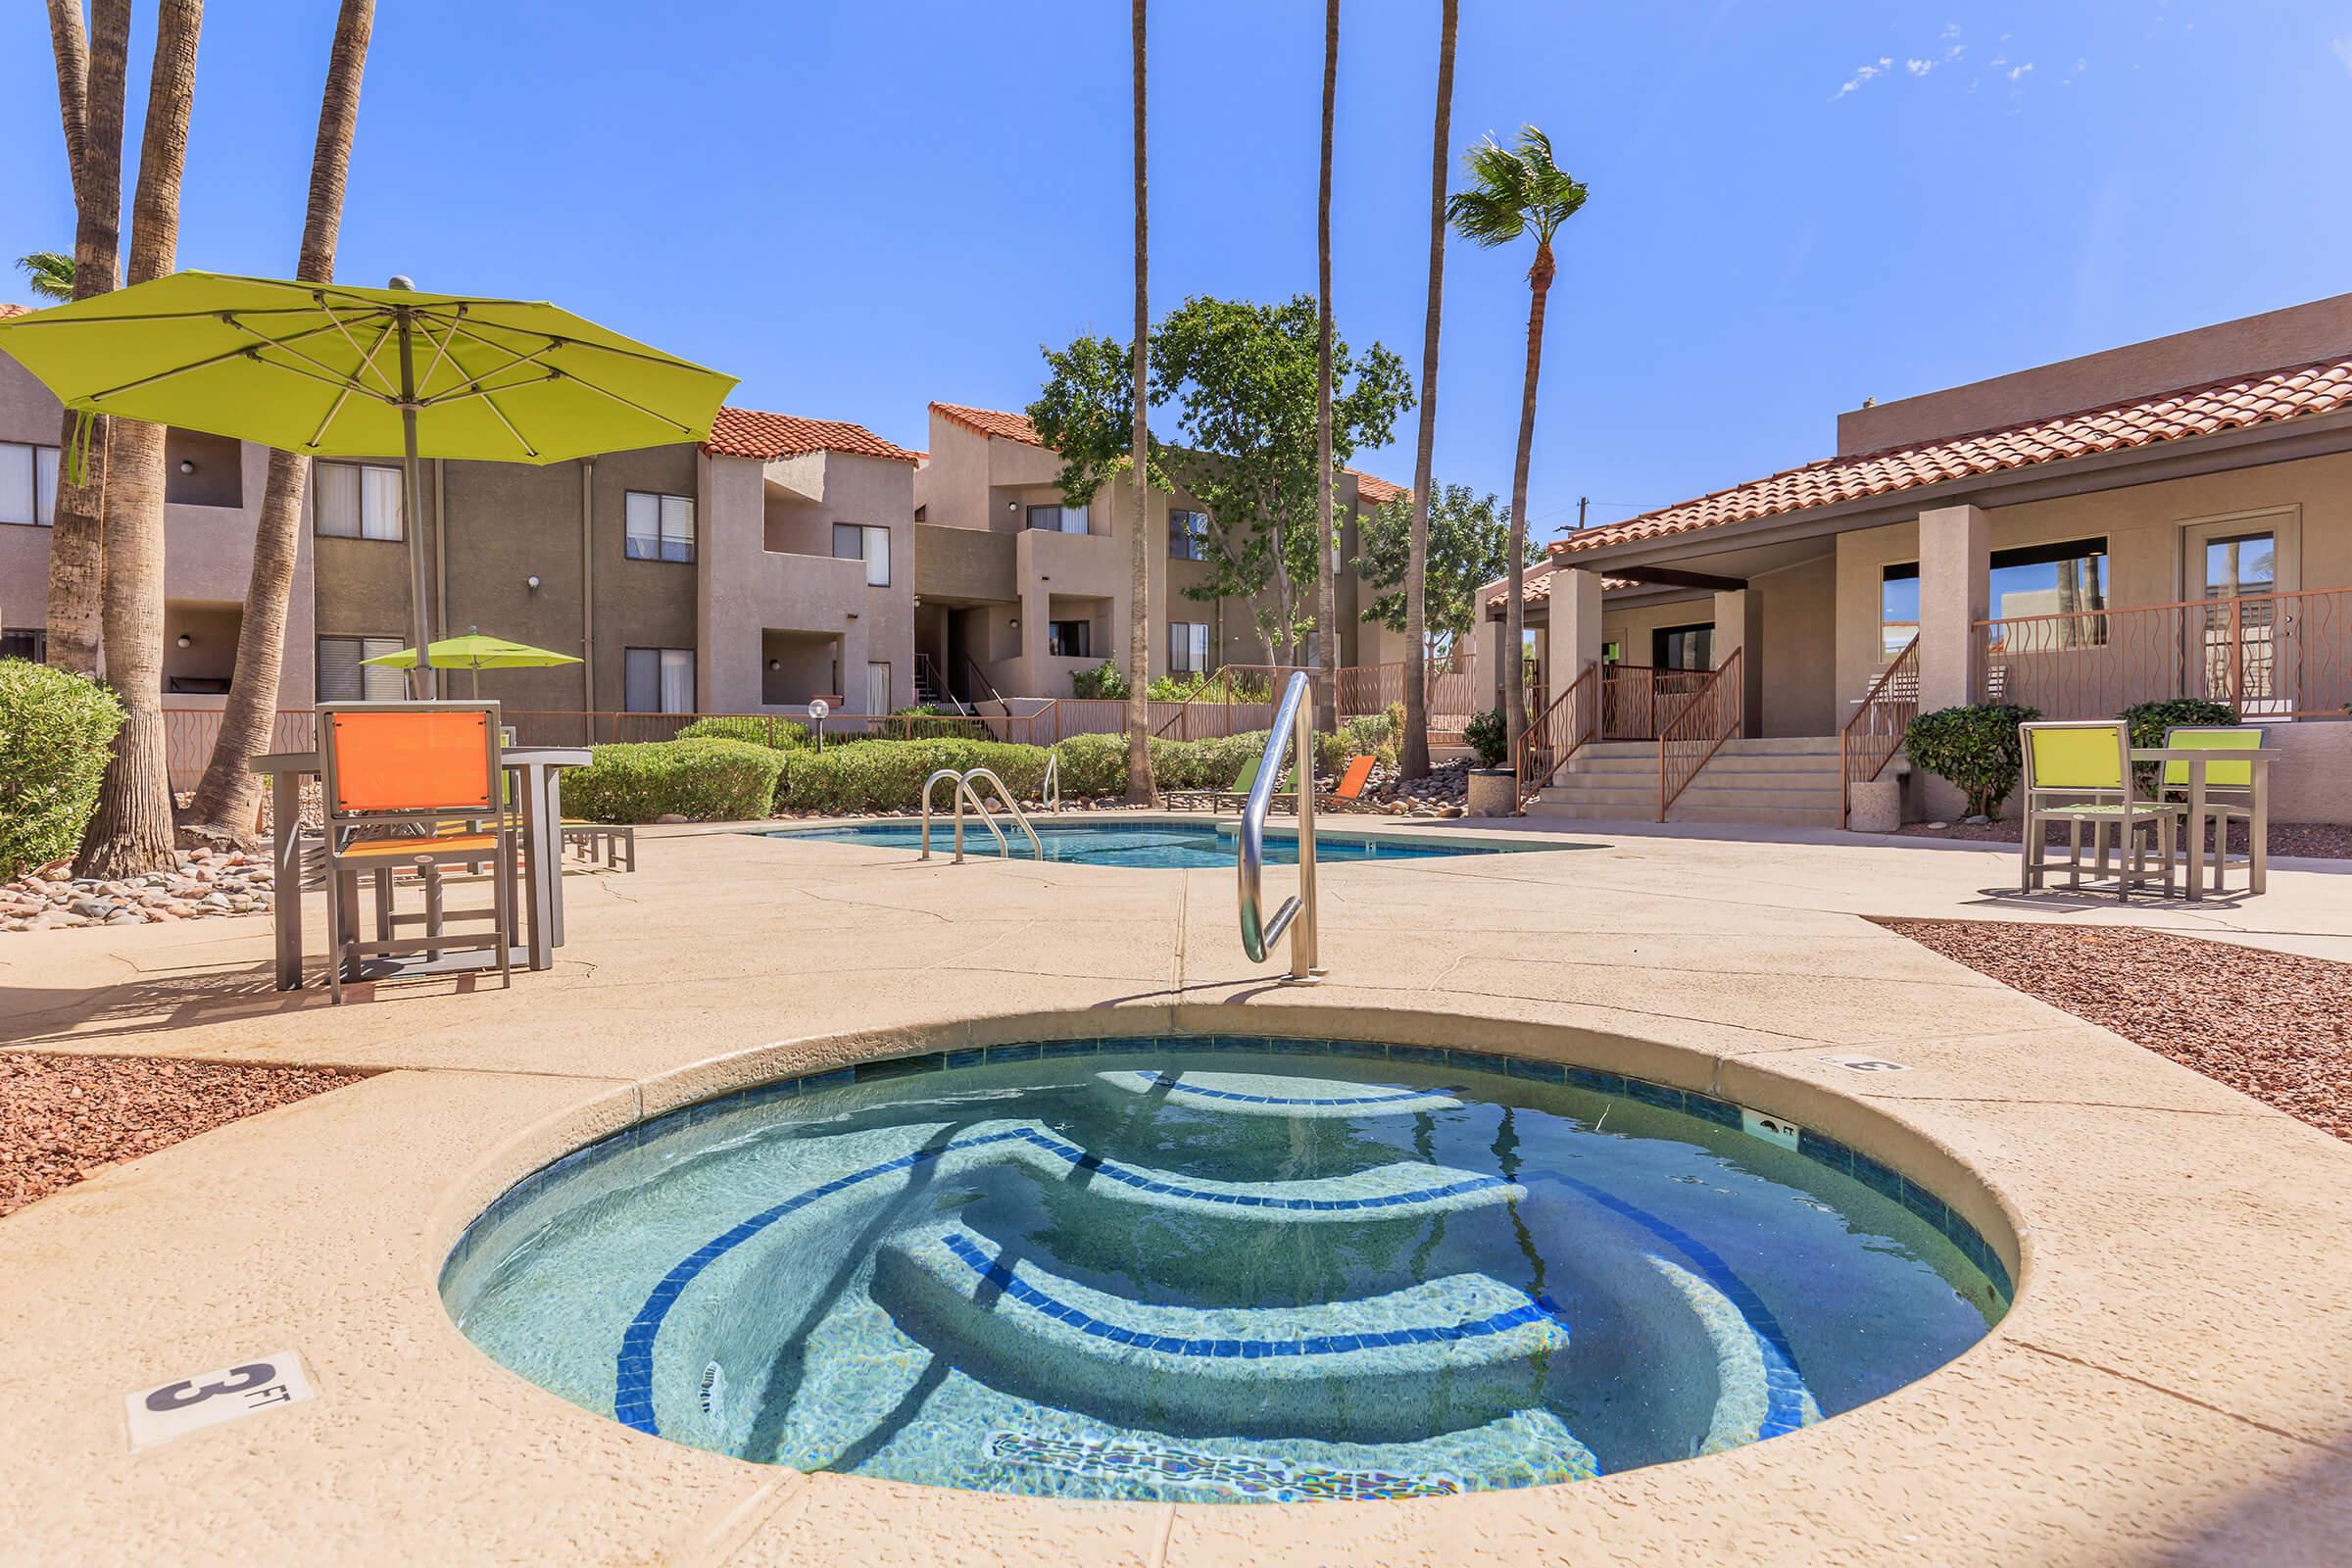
column 1976, row 748
column 784, row 734
column 2149, row 720
column 703, row 780
column 888, row 775
column 56, row 731
column 1097, row 764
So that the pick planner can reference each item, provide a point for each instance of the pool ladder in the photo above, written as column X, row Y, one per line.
column 1294, row 730
column 966, row 794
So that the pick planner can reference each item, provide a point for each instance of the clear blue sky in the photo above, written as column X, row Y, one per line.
column 857, row 208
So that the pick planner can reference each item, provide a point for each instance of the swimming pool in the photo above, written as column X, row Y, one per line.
column 1152, row 844
column 1220, row 1269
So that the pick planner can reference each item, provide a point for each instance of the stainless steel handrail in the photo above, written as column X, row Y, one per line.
column 1048, row 792
column 966, row 795
column 1293, row 728
column 988, row 776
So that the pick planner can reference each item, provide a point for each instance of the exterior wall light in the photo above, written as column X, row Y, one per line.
column 532, row 583
column 187, row 465
column 185, row 639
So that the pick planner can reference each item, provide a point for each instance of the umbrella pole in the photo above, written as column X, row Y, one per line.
column 423, row 679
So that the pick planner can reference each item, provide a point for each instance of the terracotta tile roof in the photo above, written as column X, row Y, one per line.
column 2297, row 391
column 7, row 309
column 750, row 433
column 1375, row 491
column 991, row 423
column 1538, row 590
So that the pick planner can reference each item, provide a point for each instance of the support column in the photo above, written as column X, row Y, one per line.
column 1573, row 622
column 1739, row 624
column 1955, row 588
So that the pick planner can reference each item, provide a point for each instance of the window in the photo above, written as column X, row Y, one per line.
column 2068, row 578
column 358, row 501
column 27, row 483
column 1070, row 639
column 342, row 678
column 2242, row 564
column 1188, row 536
column 659, row 527
column 1682, row 647
column 1899, row 610
column 1058, row 520
column 1188, row 647
column 877, row 688
column 1612, row 653
column 658, row 680
column 29, row 645
column 853, row 541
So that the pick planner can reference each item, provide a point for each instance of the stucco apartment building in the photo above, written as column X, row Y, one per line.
column 1017, row 591
column 2169, row 519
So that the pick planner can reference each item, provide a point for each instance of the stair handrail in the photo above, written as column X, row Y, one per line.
column 1871, row 737
column 1020, row 818
column 1688, row 741
column 966, row 795
column 1558, row 716
column 1293, row 731
column 1049, row 790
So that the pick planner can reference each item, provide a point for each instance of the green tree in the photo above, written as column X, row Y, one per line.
column 48, row 274
column 1413, row 758
column 228, row 794
column 1466, row 544
column 1244, row 378
column 1516, row 191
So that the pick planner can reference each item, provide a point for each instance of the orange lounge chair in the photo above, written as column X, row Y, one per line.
column 1351, row 783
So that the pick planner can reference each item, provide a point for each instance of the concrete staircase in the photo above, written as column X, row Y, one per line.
column 1784, row 782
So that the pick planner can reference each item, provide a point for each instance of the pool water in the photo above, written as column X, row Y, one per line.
column 1156, row 846
column 1228, row 1270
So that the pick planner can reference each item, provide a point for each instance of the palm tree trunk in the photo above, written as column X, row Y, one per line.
column 1414, row 759
column 229, row 796
column 1539, row 287
column 89, row 89
column 132, row 831
column 1327, row 708
column 1141, row 790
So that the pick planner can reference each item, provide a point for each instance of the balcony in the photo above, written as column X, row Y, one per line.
column 2283, row 656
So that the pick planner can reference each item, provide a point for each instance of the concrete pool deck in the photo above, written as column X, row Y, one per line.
column 2174, row 1384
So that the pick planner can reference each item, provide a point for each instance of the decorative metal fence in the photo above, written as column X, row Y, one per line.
column 2268, row 656
column 1875, row 733
column 1690, row 739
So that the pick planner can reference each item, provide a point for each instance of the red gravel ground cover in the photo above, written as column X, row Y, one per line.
column 62, row 1119
column 2274, row 1025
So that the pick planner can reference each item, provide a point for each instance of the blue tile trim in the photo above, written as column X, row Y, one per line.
column 993, row 1269
column 1176, row 1086
column 1784, row 1384
column 1826, row 1152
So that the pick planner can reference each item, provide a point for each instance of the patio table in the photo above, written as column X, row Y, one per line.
column 537, row 771
column 2258, row 828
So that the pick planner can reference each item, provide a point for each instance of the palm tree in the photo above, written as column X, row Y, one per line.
column 1513, row 191
column 131, row 832
column 228, row 795
column 48, row 274
column 90, row 95
column 1414, row 760
column 1327, row 661
column 1141, row 790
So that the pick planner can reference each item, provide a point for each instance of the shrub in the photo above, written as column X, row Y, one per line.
column 1487, row 734
column 703, row 780
column 55, row 731
column 888, row 775
column 1975, row 748
column 776, row 731
column 1105, row 680
column 2149, row 720
column 1097, row 764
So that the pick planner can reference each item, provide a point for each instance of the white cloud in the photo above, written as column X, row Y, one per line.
column 1855, row 81
column 2343, row 51
column 2016, row 71
column 1919, row 68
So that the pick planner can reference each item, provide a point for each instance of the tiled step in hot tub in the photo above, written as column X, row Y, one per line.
column 1259, row 1094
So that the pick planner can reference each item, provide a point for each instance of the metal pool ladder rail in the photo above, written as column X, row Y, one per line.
column 966, row 795
column 1294, row 730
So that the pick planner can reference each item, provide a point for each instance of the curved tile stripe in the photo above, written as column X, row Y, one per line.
column 994, row 1271
column 1175, row 1085
column 1788, row 1404
column 633, row 1383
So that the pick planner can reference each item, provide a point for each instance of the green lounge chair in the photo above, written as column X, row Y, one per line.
column 1236, row 796
column 2229, row 793
column 2079, row 773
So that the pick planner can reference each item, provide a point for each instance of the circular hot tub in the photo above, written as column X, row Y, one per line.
column 1228, row 1268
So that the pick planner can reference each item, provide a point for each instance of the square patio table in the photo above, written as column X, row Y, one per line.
column 2258, row 828
column 538, row 770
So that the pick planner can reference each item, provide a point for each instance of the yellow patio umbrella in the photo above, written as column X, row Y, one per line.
column 476, row 653
column 335, row 371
